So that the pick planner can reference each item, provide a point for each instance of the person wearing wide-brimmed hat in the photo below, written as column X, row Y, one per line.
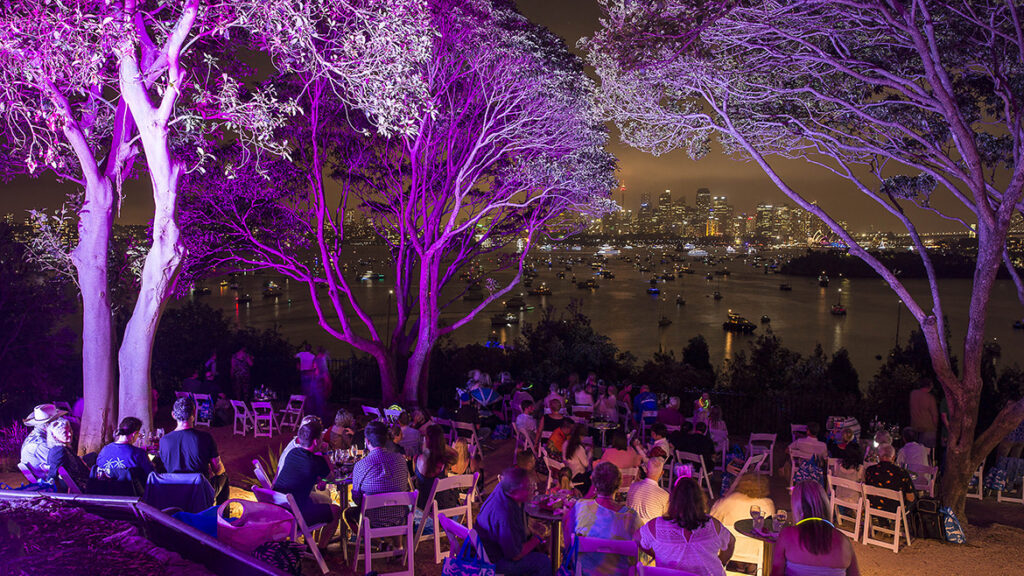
column 34, row 449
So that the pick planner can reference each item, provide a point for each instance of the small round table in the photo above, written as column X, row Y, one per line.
column 555, row 518
column 746, row 527
column 604, row 427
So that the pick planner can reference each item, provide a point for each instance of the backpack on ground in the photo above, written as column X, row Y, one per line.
column 951, row 529
column 925, row 521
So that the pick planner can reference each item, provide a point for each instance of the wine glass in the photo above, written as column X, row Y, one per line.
column 755, row 513
column 780, row 519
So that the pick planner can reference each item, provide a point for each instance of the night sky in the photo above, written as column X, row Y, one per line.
column 743, row 183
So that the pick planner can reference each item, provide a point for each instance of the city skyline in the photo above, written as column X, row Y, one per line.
column 744, row 183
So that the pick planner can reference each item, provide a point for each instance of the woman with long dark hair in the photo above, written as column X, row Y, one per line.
column 687, row 538
column 431, row 464
column 577, row 458
column 813, row 547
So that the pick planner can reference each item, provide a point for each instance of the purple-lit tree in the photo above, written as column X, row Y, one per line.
column 510, row 149
column 57, row 116
column 918, row 104
column 168, row 77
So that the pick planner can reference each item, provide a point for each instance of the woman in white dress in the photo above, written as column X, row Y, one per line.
column 687, row 538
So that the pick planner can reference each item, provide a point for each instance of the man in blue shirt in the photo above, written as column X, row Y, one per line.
column 501, row 525
column 645, row 401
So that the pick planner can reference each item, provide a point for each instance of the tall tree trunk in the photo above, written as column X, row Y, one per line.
column 961, row 459
column 90, row 259
column 412, row 388
column 387, row 363
column 158, row 278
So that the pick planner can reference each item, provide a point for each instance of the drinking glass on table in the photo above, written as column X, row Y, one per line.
column 755, row 513
column 780, row 520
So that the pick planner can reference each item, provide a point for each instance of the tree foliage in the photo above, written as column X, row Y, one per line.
column 509, row 150
column 918, row 104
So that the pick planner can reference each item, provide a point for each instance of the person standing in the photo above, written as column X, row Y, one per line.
column 187, row 450
column 503, row 530
column 322, row 378
column 304, row 361
column 241, row 364
column 924, row 413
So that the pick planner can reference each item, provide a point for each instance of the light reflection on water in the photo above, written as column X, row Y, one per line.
column 622, row 310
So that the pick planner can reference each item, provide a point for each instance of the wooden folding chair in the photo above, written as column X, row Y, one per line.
column 644, row 426
column 763, row 443
column 180, row 394
column 463, row 511
column 796, row 459
column 471, row 437
column 753, row 464
column 523, row 440
column 703, row 478
column 446, row 425
column 264, row 423
column 287, row 501
column 588, row 545
column 842, row 505
column 243, row 418
column 371, row 411
column 365, row 532
column 795, row 429
column 554, row 466
column 899, row 517
column 292, row 413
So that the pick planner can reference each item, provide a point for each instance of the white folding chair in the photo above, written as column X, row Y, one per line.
column 752, row 463
column 656, row 571
column 203, row 417
column 846, row 496
column 264, row 423
column 446, row 425
column 30, row 474
column 583, row 411
column 899, row 517
column 287, row 501
column 796, row 459
column 644, row 426
column 457, row 534
column 365, row 532
column 464, row 510
column 371, row 411
column 795, row 429
column 703, row 479
column 180, row 394
column 554, row 466
column 470, row 433
column 588, row 545
column 978, row 492
column 763, row 443
column 68, row 481
column 924, row 478
column 523, row 440
column 243, row 417
column 292, row 413
column 261, row 474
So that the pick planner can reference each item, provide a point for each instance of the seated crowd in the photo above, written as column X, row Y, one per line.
column 618, row 479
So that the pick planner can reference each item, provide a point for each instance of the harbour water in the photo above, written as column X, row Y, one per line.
column 622, row 309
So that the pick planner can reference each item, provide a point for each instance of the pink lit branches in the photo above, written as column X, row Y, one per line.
column 510, row 145
column 869, row 90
